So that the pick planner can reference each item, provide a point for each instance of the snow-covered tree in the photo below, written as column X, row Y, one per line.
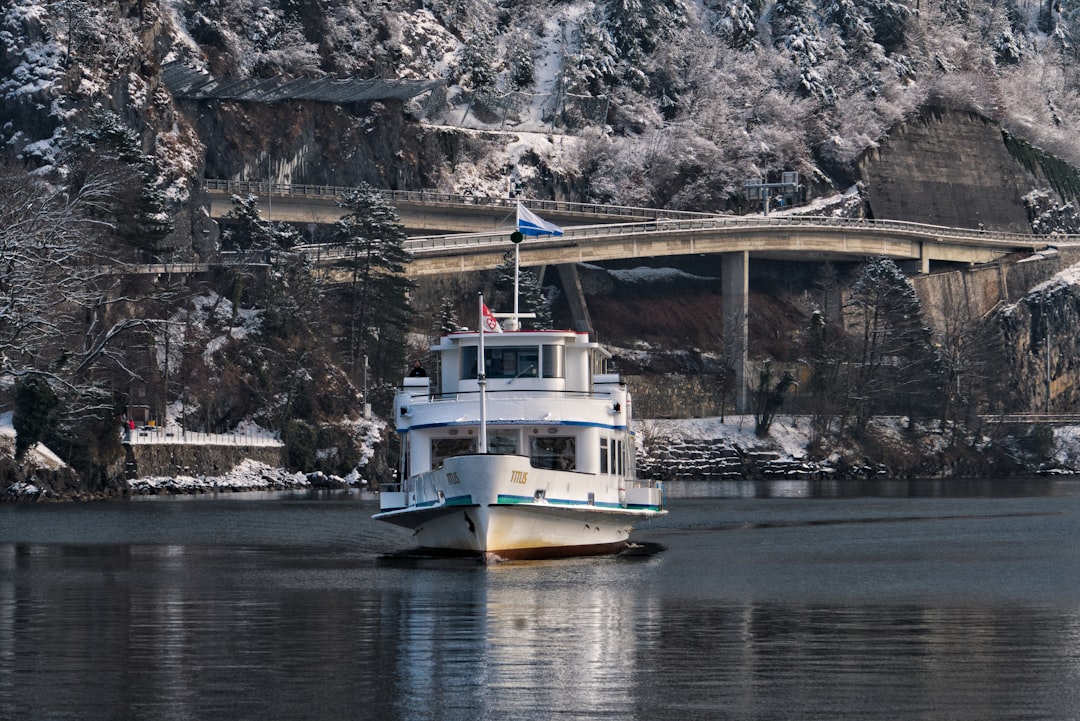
column 105, row 145
column 895, row 365
column 59, row 301
column 376, row 290
column 637, row 27
column 245, row 228
column 447, row 320
column 592, row 66
column 1048, row 216
column 261, row 38
column 796, row 30
column 737, row 21
column 530, row 293
column 479, row 61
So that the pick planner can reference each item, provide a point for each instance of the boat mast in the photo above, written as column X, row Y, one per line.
column 513, row 320
column 481, row 379
column 517, row 275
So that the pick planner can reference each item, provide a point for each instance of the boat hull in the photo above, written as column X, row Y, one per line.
column 501, row 508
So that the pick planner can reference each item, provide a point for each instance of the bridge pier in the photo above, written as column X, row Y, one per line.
column 734, row 289
column 575, row 296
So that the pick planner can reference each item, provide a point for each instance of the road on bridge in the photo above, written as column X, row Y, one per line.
column 598, row 232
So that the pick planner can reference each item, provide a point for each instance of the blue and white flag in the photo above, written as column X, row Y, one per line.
column 528, row 223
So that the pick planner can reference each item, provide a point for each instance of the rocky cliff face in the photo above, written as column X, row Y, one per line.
column 1041, row 342
column 1033, row 306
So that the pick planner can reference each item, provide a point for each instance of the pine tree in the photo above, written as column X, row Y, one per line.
column 377, row 292
column 479, row 59
column 246, row 229
column 796, row 30
column 889, row 19
column 637, row 28
column 896, row 366
column 141, row 218
column 738, row 22
column 593, row 66
column 530, row 294
column 447, row 321
column 35, row 406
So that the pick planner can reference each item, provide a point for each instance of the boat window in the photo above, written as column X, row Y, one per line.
column 554, row 452
column 443, row 448
column 620, row 458
column 503, row 442
column 502, row 362
column 604, row 455
column 554, row 357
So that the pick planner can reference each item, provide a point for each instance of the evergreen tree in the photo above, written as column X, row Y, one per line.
column 530, row 294
column 377, row 290
column 141, row 218
column 35, row 406
column 769, row 398
column 637, row 28
column 796, row 30
column 889, row 19
column 447, row 321
column 246, row 229
column 896, row 366
column 593, row 65
column 737, row 22
column 479, row 58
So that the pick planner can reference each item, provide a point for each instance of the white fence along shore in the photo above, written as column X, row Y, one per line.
column 176, row 435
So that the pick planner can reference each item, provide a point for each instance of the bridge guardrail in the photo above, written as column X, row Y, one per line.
column 457, row 199
column 1052, row 419
column 925, row 232
column 653, row 220
column 419, row 245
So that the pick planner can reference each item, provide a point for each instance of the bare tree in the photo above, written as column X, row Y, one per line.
column 63, row 303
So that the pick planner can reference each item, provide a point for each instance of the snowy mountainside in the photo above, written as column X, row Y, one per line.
column 665, row 103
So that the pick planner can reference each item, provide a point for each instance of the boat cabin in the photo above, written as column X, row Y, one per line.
column 545, row 397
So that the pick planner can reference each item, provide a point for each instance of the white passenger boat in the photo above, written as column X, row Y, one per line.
column 528, row 456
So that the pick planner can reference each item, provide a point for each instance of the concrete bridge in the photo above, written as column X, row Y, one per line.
column 806, row 238
column 474, row 231
column 591, row 236
column 420, row 211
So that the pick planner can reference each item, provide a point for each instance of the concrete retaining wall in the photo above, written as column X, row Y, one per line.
column 948, row 168
column 675, row 396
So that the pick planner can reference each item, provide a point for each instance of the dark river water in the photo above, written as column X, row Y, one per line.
column 797, row 600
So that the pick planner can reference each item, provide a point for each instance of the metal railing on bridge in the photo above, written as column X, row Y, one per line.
column 652, row 221
column 1049, row 419
column 252, row 187
column 463, row 241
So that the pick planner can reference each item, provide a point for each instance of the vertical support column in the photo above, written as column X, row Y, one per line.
column 575, row 296
column 924, row 258
column 735, row 281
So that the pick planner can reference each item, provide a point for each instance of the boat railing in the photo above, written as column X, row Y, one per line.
column 467, row 395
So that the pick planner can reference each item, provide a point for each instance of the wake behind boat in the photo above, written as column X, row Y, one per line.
column 522, row 449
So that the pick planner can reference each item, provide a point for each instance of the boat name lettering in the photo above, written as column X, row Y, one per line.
column 519, row 477
column 452, row 478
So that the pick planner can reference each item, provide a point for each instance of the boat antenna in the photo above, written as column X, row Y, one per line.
column 481, row 379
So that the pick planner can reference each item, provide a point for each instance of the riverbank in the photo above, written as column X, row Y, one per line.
column 889, row 448
column 669, row 449
column 249, row 475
